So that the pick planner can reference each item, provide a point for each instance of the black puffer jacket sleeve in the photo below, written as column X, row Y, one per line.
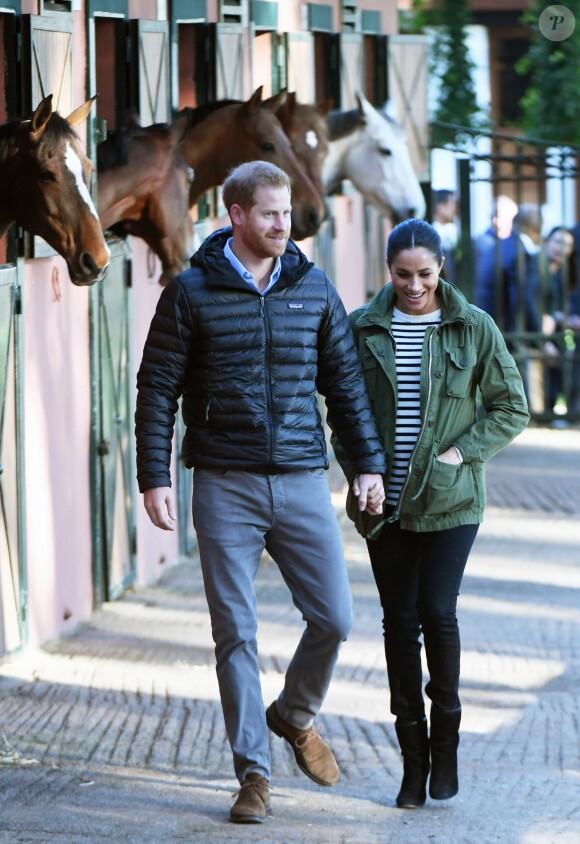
column 341, row 382
column 160, row 384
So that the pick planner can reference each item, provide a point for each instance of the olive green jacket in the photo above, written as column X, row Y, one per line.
column 465, row 364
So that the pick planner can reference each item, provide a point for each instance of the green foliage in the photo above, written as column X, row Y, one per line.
column 451, row 64
column 454, row 68
column 551, row 105
column 415, row 19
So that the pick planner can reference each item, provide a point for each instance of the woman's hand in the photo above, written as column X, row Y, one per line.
column 452, row 455
column 370, row 491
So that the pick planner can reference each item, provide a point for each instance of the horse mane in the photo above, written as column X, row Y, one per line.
column 199, row 113
column 113, row 152
column 343, row 123
column 56, row 129
column 391, row 121
column 7, row 135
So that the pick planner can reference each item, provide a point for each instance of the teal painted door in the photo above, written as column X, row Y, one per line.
column 113, row 469
column 13, row 598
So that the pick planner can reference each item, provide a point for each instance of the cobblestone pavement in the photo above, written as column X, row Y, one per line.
column 116, row 734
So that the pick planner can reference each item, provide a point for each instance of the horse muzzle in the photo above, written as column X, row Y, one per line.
column 88, row 273
column 307, row 224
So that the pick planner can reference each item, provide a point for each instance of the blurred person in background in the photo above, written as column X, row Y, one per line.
column 561, row 317
column 445, row 224
column 506, row 273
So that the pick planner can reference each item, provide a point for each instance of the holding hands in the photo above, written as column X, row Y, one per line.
column 370, row 491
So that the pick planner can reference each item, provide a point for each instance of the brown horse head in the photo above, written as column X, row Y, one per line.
column 227, row 133
column 143, row 190
column 45, row 179
column 307, row 129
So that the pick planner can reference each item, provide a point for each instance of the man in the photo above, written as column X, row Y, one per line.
column 506, row 273
column 445, row 223
column 247, row 336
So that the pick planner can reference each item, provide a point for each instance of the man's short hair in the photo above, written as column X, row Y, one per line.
column 441, row 197
column 243, row 181
column 529, row 216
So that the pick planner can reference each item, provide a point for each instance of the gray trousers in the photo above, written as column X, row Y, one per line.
column 236, row 515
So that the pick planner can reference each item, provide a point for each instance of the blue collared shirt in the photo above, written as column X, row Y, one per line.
column 246, row 274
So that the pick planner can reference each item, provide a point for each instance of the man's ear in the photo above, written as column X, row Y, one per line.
column 236, row 214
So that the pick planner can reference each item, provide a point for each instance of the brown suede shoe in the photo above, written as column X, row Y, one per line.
column 253, row 803
column 313, row 755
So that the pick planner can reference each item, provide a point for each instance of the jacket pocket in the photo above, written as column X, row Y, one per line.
column 450, row 487
column 459, row 372
column 511, row 378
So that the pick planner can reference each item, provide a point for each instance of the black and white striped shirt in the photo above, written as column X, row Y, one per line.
column 408, row 332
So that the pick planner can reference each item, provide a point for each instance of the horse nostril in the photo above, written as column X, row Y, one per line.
column 88, row 264
column 313, row 218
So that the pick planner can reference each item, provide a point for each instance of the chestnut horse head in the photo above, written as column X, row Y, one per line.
column 45, row 178
column 143, row 190
column 371, row 150
column 221, row 135
column 307, row 128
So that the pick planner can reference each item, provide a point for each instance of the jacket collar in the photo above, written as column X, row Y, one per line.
column 210, row 256
column 379, row 311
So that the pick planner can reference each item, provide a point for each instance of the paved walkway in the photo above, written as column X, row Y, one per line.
column 116, row 734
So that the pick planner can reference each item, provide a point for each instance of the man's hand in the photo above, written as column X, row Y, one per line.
column 160, row 508
column 370, row 491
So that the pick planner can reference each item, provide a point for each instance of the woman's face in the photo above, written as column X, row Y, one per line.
column 415, row 274
column 560, row 246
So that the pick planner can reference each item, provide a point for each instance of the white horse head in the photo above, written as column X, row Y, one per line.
column 374, row 155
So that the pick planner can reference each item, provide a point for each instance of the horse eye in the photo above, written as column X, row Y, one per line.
column 386, row 151
column 268, row 146
column 47, row 176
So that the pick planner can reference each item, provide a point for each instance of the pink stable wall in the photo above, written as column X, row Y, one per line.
column 57, row 439
column 350, row 259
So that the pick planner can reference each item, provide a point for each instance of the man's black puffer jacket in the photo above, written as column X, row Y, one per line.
column 249, row 367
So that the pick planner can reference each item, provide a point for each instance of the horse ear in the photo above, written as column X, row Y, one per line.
column 389, row 109
column 80, row 114
column 282, row 100
column 325, row 107
column 255, row 100
column 180, row 125
column 40, row 118
column 364, row 107
column 276, row 101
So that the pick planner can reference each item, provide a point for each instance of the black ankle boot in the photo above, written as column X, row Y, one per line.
column 414, row 745
column 444, row 742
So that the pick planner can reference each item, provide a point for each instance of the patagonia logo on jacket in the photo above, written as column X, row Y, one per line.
column 295, row 304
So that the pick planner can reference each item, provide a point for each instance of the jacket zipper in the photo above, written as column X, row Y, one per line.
column 395, row 515
column 264, row 316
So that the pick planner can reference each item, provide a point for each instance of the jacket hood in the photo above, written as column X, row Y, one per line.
column 379, row 311
column 210, row 256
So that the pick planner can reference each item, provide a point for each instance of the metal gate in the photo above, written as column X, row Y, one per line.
column 112, row 449
column 510, row 277
column 13, row 600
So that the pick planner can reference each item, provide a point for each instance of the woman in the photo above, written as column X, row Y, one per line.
column 561, row 317
column 425, row 351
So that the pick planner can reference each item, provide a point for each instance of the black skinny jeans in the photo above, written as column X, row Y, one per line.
column 418, row 576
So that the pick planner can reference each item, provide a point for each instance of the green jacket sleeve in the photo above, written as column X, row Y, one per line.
column 502, row 395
